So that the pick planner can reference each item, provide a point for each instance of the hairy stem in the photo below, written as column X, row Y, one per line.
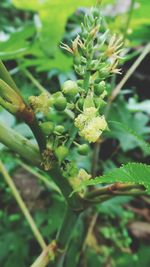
column 22, row 206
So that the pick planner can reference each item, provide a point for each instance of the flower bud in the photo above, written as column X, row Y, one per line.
column 47, row 127
column 59, row 129
column 99, row 88
column 70, row 89
column 99, row 103
column 80, row 103
column 104, row 73
column 83, row 149
column 61, row 153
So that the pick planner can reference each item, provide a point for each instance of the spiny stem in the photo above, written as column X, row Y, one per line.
column 22, row 206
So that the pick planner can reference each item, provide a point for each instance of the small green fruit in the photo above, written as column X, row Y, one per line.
column 61, row 153
column 60, row 103
column 70, row 89
column 47, row 127
column 83, row 149
column 59, row 129
column 99, row 88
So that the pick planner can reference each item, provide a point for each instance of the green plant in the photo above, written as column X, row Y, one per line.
column 96, row 57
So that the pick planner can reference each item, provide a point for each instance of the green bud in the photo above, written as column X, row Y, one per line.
column 99, row 103
column 83, row 149
column 80, row 103
column 99, row 88
column 61, row 153
column 80, row 83
column 47, row 127
column 59, row 129
column 70, row 89
column 104, row 73
column 57, row 94
column 60, row 103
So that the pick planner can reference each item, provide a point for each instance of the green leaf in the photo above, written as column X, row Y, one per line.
column 17, row 43
column 130, row 129
column 53, row 15
column 137, row 173
column 128, row 138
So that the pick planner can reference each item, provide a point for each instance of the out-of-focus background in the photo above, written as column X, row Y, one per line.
column 30, row 36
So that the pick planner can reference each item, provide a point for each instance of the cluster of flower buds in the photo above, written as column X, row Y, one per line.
column 96, row 56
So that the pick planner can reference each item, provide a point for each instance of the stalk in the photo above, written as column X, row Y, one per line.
column 22, row 206
column 144, row 53
column 127, row 24
column 19, row 145
column 4, row 75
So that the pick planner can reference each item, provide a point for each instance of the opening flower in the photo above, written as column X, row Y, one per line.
column 90, row 125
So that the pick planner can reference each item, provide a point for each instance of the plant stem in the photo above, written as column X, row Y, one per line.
column 75, row 202
column 22, row 206
column 127, row 24
column 34, row 81
column 46, row 256
column 64, row 235
column 4, row 75
column 30, row 153
column 76, row 243
column 19, row 145
column 86, row 81
column 38, row 134
column 117, row 188
column 116, row 91
column 96, row 152
column 129, row 73
column 57, row 250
